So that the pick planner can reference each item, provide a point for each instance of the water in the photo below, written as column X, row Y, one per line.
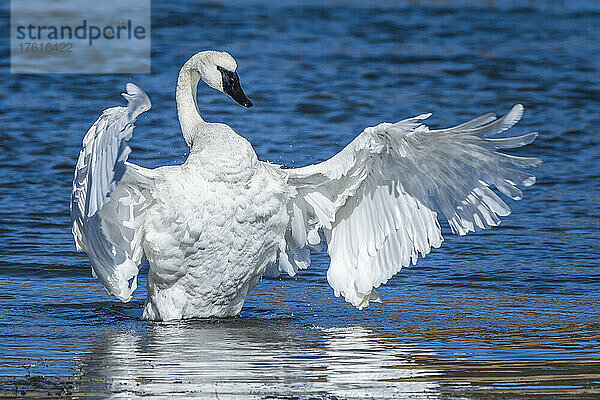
column 511, row 312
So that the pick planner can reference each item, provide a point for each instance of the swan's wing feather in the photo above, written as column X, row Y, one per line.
column 109, row 196
column 377, row 201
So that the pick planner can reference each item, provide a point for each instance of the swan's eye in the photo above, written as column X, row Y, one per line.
column 222, row 69
column 231, row 86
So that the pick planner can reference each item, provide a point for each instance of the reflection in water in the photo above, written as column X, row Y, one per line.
column 251, row 358
column 364, row 366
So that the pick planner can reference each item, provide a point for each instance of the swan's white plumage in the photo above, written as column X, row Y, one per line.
column 107, row 218
column 212, row 226
column 380, row 196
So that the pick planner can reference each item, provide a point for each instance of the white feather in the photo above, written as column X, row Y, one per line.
column 382, row 194
column 212, row 226
column 109, row 195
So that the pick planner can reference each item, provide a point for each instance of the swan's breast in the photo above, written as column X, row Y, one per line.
column 213, row 229
column 218, row 153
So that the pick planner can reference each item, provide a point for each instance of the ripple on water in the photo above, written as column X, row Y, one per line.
column 509, row 313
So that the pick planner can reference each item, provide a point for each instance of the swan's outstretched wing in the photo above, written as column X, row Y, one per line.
column 376, row 202
column 109, row 196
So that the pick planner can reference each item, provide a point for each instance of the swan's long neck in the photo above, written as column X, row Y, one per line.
column 185, row 96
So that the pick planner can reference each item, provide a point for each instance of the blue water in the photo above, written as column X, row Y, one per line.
column 511, row 312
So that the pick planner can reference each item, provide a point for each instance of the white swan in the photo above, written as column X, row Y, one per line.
column 212, row 226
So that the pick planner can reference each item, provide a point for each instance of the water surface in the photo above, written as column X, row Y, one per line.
column 507, row 313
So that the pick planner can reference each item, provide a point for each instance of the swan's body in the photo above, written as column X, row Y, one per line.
column 211, row 227
column 215, row 226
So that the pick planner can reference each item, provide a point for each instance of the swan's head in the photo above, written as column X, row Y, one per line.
column 217, row 70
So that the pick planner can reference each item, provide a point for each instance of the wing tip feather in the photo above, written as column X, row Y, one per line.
column 138, row 100
column 514, row 115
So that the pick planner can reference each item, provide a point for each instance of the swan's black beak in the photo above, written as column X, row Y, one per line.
column 231, row 86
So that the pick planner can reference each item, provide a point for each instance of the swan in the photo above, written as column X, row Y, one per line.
column 212, row 226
